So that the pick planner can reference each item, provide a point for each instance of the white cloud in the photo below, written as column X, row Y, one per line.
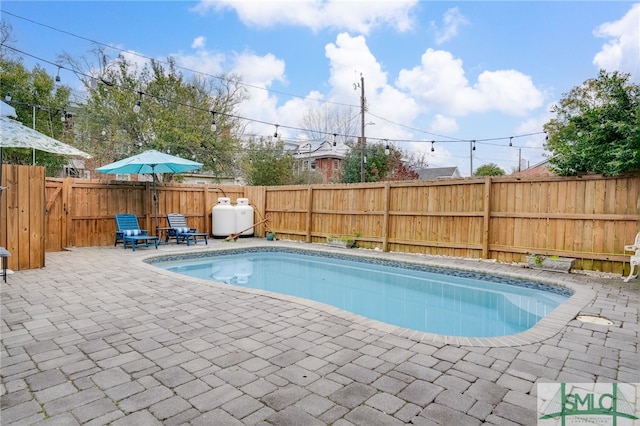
column 442, row 124
column 198, row 42
column 451, row 20
column 622, row 52
column 350, row 58
column 259, row 73
column 356, row 16
column 202, row 61
column 259, row 70
column 440, row 83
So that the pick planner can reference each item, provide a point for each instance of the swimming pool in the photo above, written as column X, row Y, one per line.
column 434, row 300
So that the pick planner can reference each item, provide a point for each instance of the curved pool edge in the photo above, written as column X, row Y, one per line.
column 546, row 328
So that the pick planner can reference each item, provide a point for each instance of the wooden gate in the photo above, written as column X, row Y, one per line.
column 55, row 216
column 22, row 224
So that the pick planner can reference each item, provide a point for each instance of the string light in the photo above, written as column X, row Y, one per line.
column 58, row 76
column 138, row 104
column 334, row 139
column 386, row 148
column 8, row 97
column 213, row 121
column 511, row 141
column 63, row 117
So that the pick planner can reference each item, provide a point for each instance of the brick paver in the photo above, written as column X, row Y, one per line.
column 98, row 337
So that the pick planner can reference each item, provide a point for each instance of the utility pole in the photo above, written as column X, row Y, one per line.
column 363, row 143
column 471, row 148
column 519, row 159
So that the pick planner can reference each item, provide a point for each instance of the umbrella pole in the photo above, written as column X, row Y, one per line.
column 155, row 197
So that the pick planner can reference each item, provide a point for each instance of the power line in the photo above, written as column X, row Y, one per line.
column 445, row 138
column 224, row 80
column 295, row 128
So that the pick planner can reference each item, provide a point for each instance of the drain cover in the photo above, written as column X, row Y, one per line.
column 591, row 319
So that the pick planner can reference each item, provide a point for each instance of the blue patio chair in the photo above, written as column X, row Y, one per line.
column 128, row 231
column 179, row 230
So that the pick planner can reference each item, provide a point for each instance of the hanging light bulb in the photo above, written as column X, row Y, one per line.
column 474, row 145
column 334, row 139
column 104, row 132
column 432, row 148
column 213, row 121
column 58, row 76
column 275, row 134
column 138, row 104
column 8, row 97
column 511, row 141
column 386, row 149
column 63, row 117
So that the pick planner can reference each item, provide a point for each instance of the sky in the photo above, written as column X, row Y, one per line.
column 443, row 71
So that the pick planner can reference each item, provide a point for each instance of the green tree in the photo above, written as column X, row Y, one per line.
column 402, row 167
column 597, row 127
column 266, row 163
column 175, row 113
column 382, row 164
column 38, row 99
column 490, row 169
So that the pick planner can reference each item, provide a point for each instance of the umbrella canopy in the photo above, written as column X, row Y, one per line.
column 7, row 110
column 151, row 161
column 16, row 135
column 13, row 134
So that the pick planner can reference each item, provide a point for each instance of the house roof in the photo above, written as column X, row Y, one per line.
column 431, row 173
column 540, row 169
column 320, row 149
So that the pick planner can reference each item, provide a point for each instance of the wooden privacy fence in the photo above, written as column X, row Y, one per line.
column 589, row 218
column 80, row 212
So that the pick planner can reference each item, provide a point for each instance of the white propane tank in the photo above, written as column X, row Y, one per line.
column 244, row 217
column 223, row 218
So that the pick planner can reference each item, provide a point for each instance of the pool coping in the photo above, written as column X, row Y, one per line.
column 547, row 327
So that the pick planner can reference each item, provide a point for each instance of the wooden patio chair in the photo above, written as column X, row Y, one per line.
column 634, row 260
column 179, row 230
column 128, row 231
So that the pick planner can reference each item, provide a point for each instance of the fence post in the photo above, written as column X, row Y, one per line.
column 67, row 222
column 205, row 213
column 385, row 219
column 486, row 222
column 309, row 212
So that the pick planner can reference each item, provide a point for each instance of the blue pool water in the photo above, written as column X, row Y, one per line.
column 417, row 297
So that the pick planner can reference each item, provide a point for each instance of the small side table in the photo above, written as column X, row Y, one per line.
column 4, row 254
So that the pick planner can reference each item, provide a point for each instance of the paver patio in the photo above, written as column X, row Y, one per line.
column 97, row 337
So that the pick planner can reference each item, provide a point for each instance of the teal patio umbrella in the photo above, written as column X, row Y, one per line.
column 151, row 162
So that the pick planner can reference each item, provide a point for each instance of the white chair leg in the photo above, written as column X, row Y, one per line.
column 633, row 264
